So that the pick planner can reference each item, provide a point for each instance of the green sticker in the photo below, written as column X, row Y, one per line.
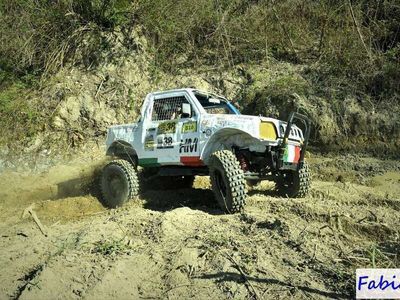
column 148, row 162
column 189, row 127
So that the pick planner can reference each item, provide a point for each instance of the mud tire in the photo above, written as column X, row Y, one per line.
column 118, row 183
column 227, row 181
column 294, row 184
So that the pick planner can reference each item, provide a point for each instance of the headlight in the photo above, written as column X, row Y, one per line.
column 267, row 131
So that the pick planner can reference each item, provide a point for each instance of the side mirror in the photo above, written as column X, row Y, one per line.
column 186, row 110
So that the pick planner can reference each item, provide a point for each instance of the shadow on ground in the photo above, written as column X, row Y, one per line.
column 157, row 196
column 165, row 200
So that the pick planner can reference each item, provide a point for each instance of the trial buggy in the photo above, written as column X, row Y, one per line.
column 186, row 132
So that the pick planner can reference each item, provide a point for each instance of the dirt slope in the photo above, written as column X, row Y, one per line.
column 177, row 244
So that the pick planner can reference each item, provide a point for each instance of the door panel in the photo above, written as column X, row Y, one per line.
column 189, row 147
column 168, row 136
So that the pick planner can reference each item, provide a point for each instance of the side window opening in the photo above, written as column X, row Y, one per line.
column 168, row 108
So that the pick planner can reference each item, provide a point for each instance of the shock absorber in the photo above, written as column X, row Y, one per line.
column 244, row 164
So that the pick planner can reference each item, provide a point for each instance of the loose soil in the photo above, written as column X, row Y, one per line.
column 177, row 244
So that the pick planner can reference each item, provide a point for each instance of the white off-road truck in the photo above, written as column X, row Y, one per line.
column 186, row 132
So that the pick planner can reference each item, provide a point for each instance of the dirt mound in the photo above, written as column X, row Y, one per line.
column 178, row 244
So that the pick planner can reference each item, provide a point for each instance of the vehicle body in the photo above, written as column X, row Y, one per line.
column 184, row 132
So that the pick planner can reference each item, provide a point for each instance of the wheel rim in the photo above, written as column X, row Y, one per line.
column 220, row 183
column 287, row 180
column 116, row 185
column 287, row 184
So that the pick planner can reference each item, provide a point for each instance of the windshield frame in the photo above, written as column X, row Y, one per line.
column 198, row 94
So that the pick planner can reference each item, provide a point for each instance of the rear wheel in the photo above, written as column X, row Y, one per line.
column 118, row 183
column 294, row 184
column 227, row 180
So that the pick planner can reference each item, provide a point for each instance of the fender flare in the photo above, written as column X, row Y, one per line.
column 124, row 150
column 224, row 139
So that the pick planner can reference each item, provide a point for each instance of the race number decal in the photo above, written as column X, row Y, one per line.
column 166, row 127
column 165, row 142
column 189, row 127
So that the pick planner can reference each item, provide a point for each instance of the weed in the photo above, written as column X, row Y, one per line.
column 379, row 258
column 20, row 117
column 112, row 247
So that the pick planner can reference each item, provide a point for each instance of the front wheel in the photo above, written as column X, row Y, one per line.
column 294, row 184
column 227, row 181
column 119, row 183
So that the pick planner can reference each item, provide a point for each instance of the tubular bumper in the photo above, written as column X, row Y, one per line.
column 294, row 116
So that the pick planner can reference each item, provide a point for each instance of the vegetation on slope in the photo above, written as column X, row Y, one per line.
column 343, row 47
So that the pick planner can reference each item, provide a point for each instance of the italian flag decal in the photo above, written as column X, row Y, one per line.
column 192, row 161
column 292, row 154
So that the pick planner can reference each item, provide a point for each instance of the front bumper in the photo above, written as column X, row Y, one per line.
column 291, row 157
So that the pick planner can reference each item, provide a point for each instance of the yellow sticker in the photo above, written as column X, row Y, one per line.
column 189, row 127
column 166, row 127
column 149, row 145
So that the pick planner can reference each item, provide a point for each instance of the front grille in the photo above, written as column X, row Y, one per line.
column 295, row 133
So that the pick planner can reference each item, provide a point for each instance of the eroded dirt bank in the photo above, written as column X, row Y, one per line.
column 177, row 244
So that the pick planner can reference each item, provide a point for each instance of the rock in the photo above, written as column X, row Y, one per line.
column 34, row 145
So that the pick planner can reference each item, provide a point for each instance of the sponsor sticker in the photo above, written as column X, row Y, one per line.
column 205, row 123
column 378, row 284
column 188, row 145
column 149, row 143
column 189, row 127
column 167, row 127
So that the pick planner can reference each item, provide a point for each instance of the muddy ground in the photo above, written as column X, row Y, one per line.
column 177, row 244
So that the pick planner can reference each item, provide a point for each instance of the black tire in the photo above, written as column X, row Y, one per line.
column 294, row 184
column 118, row 183
column 227, row 181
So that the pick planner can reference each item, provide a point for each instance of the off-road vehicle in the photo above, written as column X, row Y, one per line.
column 186, row 132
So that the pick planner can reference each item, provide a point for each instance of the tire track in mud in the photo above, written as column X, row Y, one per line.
column 175, row 243
column 339, row 223
column 27, row 279
column 297, row 255
column 51, row 271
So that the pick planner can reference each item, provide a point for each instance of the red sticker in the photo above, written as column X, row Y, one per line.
column 296, row 154
column 193, row 161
